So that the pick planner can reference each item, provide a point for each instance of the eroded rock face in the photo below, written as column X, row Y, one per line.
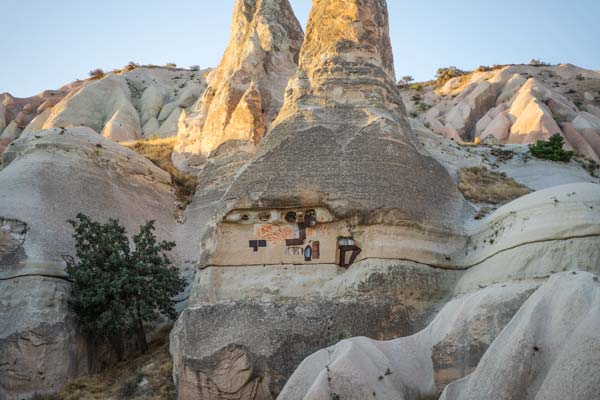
column 40, row 346
column 341, row 139
column 549, row 349
column 246, row 90
column 514, row 104
column 274, row 320
column 485, row 298
column 413, row 367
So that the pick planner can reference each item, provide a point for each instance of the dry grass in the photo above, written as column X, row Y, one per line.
column 483, row 186
column 122, row 381
column 159, row 152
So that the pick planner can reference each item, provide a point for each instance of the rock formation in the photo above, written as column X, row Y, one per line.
column 485, row 298
column 515, row 104
column 340, row 146
column 128, row 106
column 18, row 113
column 40, row 346
column 246, row 89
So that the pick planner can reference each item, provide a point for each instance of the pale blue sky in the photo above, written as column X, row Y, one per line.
column 45, row 44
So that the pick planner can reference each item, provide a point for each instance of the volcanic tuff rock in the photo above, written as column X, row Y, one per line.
column 341, row 139
column 412, row 367
column 18, row 113
column 129, row 105
column 246, row 89
column 39, row 343
column 548, row 351
column 514, row 104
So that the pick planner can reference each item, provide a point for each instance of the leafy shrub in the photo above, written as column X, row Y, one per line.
column 194, row 68
column 115, row 289
column 483, row 68
column 131, row 66
column 97, row 73
column 443, row 75
column 406, row 80
column 551, row 149
column 536, row 62
column 417, row 87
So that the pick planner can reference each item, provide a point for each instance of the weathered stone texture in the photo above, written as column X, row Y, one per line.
column 246, row 90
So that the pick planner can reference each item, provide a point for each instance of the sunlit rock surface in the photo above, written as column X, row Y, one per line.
column 246, row 89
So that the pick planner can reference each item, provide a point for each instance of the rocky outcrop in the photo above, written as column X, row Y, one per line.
column 122, row 106
column 278, row 315
column 103, row 105
column 413, row 367
column 513, row 104
column 541, row 349
column 18, row 113
column 246, row 89
column 547, row 351
column 485, row 298
column 342, row 139
column 40, row 346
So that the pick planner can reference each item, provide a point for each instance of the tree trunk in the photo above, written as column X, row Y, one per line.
column 141, row 334
column 142, row 337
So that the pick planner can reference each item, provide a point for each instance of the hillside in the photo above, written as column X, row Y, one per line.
column 345, row 236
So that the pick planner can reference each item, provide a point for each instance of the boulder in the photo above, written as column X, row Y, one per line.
column 260, row 58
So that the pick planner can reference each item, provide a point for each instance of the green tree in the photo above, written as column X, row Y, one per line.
column 116, row 289
column 407, row 79
column 551, row 149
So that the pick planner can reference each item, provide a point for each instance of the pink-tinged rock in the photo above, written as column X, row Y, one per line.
column 511, row 88
column 449, row 133
column 591, row 109
column 487, row 119
column 534, row 122
column 498, row 128
column 579, row 143
column 593, row 138
column 479, row 98
column 561, row 107
column 586, row 120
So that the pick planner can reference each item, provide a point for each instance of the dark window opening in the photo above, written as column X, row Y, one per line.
column 264, row 217
column 310, row 218
column 345, row 246
column 290, row 217
column 255, row 244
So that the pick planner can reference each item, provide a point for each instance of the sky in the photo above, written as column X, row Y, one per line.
column 45, row 44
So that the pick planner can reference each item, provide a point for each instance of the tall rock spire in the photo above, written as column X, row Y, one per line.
column 346, row 58
column 246, row 89
column 341, row 139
